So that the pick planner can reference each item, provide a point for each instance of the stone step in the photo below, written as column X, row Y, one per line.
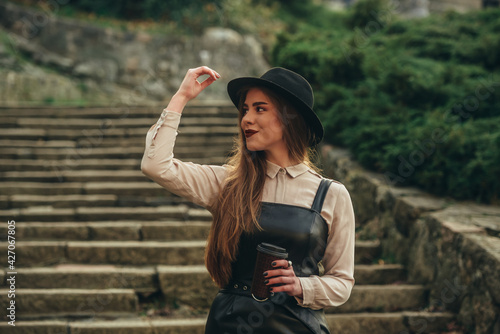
column 43, row 253
column 36, row 143
column 181, row 141
column 4, row 202
column 135, row 152
column 77, row 276
column 33, row 188
column 78, row 162
column 128, row 252
column 61, row 201
column 73, row 201
column 76, row 123
column 50, row 214
column 384, row 298
column 379, row 274
column 174, row 281
column 145, row 188
column 68, row 163
column 110, row 230
column 358, row 323
column 205, row 110
column 367, row 251
column 394, row 322
column 192, row 286
column 72, row 302
column 75, row 176
column 97, row 134
column 65, row 302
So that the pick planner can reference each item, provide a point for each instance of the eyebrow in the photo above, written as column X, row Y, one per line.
column 255, row 104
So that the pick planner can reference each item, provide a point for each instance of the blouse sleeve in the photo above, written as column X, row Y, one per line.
column 334, row 287
column 199, row 184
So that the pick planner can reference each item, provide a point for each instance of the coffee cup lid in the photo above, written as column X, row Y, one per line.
column 272, row 250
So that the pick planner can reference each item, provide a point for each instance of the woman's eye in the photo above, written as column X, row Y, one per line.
column 260, row 109
column 244, row 111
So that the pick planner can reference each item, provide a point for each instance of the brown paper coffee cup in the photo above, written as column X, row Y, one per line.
column 266, row 254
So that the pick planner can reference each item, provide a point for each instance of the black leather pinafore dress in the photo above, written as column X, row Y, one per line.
column 303, row 233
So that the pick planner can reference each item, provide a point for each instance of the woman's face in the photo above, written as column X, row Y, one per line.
column 261, row 124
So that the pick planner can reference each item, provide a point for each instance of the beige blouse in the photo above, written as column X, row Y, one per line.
column 294, row 185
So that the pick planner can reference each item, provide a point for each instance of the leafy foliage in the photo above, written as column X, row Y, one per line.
column 130, row 9
column 418, row 100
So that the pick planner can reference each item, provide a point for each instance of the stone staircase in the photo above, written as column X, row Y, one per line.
column 101, row 249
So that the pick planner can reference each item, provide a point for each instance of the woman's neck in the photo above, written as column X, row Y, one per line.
column 282, row 160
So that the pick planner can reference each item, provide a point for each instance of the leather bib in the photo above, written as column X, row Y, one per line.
column 303, row 233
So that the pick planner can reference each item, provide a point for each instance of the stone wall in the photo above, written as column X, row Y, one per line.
column 422, row 8
column 439, row 6
column 147, row 65
column 451, row 247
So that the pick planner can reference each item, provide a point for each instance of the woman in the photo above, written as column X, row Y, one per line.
column 268, row 192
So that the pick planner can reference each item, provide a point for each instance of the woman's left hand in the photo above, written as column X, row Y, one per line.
column 286, row 277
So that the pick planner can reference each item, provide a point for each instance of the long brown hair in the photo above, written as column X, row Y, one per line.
column 237, row 207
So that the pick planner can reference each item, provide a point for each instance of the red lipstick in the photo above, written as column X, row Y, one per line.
column 250, row 133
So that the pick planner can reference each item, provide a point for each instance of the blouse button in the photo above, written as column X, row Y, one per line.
column 282, row 171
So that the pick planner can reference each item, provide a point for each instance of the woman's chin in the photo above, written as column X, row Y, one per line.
column 252, row 148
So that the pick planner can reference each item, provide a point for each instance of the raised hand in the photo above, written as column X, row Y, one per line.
column 191, row 87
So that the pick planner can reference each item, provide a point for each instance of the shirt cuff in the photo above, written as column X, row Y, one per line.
column 307, row 292
column 169, row 118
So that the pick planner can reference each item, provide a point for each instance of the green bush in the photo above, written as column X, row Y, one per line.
column 130, row 9
column 365, row 12
column 115, row 8
column 418, row 100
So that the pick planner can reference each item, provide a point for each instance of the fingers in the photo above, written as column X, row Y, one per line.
column 191, row 87
column 279, row 272
column 282, row 263
column 215, row 75
column 282, row 269
column 207, row 82
column 280, row 276
column 290, row 285
column 283, row 278
column 202, row 70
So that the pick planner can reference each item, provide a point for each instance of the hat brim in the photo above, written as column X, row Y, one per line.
column 234, row 86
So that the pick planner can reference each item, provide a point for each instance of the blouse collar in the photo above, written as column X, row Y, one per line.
column 293, row 171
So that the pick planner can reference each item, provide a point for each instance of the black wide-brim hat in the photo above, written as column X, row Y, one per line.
column 291, row 86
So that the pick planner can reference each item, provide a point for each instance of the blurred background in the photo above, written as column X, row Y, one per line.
column 390, row 77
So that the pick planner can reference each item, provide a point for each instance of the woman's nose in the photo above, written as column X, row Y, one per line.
column 248, row 118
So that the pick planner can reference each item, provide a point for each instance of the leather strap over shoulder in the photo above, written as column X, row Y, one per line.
column 321, row 194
